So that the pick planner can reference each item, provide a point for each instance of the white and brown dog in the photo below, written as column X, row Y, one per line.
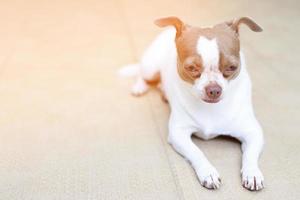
column 203, row 76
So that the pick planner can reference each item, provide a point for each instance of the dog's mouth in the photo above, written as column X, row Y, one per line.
column 209, row 100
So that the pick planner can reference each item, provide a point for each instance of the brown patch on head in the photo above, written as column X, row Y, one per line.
column 229, row 47
column 229, row 59
column 190, row 65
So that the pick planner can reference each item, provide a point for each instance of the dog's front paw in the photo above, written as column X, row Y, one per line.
column 209, row 177
column 252, row 179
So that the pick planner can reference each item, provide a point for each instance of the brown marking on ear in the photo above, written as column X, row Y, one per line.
column 234, row 24
column 171, row 21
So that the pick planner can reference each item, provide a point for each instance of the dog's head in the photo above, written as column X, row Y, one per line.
column 208, row 58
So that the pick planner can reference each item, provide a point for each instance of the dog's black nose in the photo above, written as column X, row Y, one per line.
column 213, row 91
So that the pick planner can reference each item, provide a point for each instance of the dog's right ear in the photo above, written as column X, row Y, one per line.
column 171, row 21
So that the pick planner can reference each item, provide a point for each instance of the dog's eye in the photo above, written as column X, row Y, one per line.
column 231, row 68
column 193, row 70
column 229, row 71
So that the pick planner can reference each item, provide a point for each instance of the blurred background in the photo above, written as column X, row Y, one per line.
column 69, row 128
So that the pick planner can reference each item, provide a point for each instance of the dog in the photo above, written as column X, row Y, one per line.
column 202, row 74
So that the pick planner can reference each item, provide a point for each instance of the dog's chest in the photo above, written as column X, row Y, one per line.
column 212, row 123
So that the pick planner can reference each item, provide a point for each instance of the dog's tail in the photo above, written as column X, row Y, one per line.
column 129, row 70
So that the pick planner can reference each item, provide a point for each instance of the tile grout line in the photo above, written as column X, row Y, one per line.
column 177, row 184
column 134, row 56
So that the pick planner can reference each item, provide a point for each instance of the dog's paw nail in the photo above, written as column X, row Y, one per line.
column 252, row 179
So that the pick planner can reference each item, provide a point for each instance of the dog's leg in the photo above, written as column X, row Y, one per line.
column 180, row 139
column 252, row 144
column 207, row 174
column 158, row 55
column 162, row 93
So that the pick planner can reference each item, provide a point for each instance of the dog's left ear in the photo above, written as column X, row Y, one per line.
column 235, row 24
column 171, row 21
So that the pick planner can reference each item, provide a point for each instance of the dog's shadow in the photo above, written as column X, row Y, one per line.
column 221, row 138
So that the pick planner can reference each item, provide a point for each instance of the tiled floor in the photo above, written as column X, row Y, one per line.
column 70, row 130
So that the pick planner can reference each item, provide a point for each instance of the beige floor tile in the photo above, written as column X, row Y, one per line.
column 70, row 130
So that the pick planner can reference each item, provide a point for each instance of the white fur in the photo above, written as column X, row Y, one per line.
column 209, row 51
column 129, row 70
column 232, row 116
column 140, row 87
